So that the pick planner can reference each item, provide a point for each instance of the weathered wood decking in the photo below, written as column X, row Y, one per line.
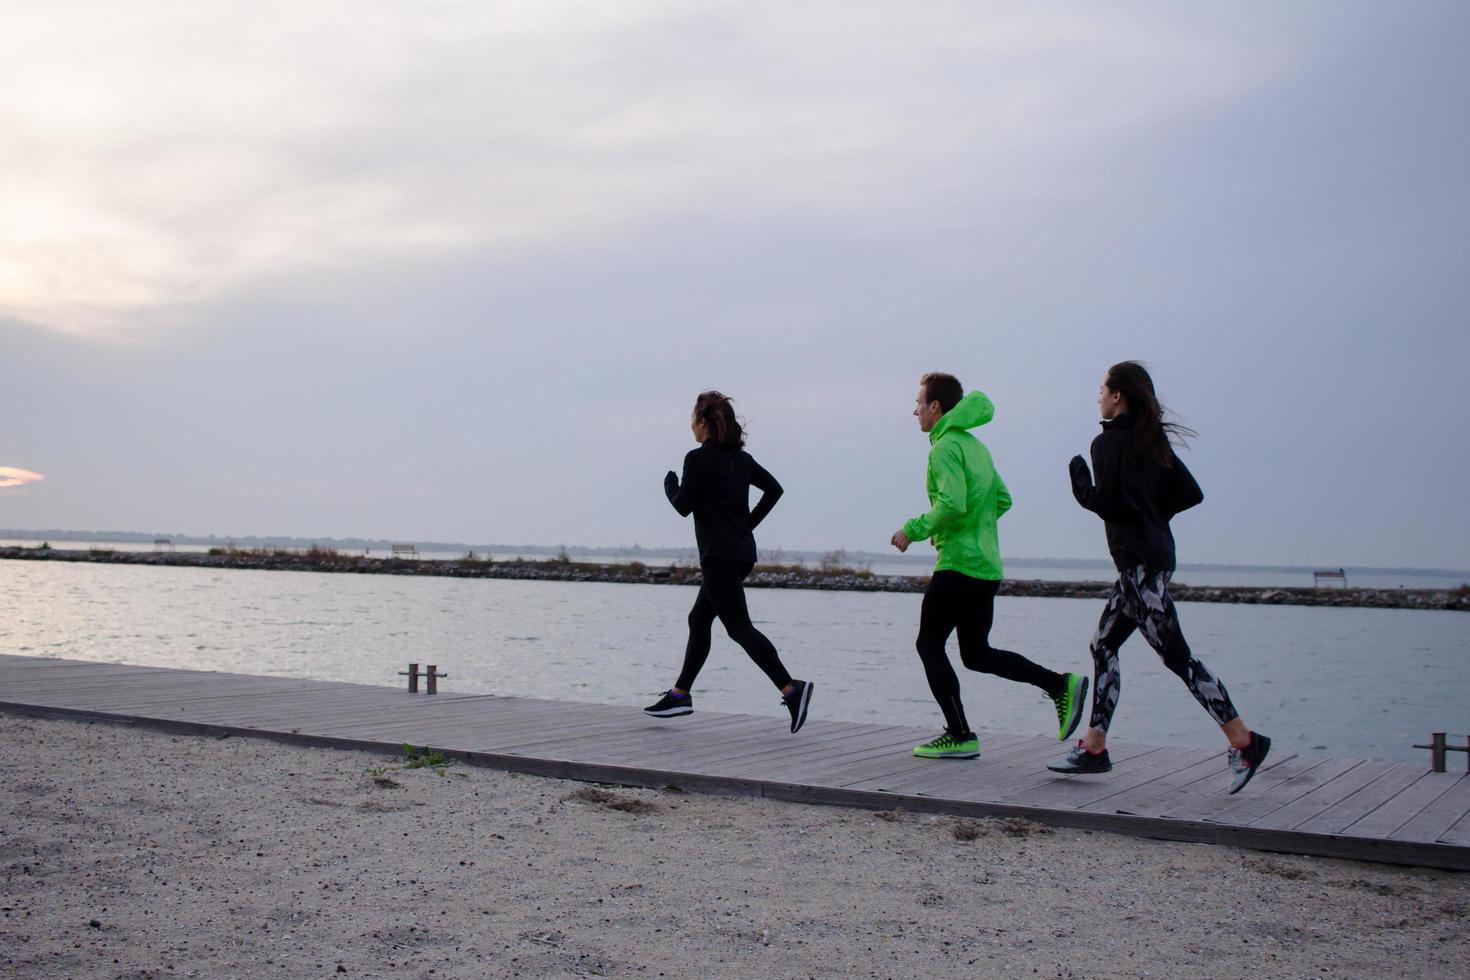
column 1376, row 811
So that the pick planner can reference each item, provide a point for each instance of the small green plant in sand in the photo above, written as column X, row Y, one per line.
column 414, row 757
column 421, row 757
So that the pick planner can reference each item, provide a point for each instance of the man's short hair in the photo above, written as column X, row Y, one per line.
column 942, row 388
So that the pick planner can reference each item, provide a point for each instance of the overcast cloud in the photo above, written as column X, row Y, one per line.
column 437, row 271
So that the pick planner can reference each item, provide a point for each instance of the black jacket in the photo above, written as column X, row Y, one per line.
column 1135, row 498
column 716, row 490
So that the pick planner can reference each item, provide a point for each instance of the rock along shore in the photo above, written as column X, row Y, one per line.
column 764, row 576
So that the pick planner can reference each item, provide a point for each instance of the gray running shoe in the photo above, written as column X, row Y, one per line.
column 1244, row 762
column 1078, row 761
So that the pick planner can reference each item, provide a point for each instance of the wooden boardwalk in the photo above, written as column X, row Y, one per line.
column 1397, row 813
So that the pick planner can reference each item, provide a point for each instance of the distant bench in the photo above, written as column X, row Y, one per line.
column 405, row 551
column 1329, row 576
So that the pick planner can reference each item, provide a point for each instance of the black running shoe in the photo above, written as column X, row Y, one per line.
column 797, row 702
column 671, row 705
column 1079, row 761
column 1244, row 762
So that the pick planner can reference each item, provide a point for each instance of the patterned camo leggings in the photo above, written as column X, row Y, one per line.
column 1140, row 600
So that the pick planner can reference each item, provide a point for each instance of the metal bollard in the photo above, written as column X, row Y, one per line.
column 1438, row 747
column 432, row 675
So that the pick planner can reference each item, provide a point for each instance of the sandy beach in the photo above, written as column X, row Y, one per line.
column 132, row 853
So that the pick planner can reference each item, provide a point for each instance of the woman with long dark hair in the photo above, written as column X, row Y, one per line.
column 1141, row 483
column 716, row 490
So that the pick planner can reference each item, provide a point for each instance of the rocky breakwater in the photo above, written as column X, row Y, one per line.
column 838, row 579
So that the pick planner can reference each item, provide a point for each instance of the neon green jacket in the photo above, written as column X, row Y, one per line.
column 966, row 495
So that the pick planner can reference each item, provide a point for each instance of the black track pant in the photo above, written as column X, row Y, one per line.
column 1140, row 601
column 956, row 602
column 721, row 596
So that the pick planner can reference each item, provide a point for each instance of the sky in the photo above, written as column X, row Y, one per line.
column 455, row 271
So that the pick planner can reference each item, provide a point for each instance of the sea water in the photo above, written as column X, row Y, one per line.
column 1367, row 683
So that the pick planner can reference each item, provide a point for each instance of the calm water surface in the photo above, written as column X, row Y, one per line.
column 1359, row 682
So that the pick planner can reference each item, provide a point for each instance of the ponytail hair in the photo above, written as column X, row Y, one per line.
column 1153, row 433
column 718, row 414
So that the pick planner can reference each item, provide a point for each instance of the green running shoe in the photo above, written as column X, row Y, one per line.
column 1069, row 706
column 949, row 746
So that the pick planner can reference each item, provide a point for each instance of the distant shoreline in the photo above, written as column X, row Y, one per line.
column 656, row 555
column 764, row 576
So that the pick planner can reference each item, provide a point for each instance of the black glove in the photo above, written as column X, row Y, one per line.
column 1081, row 475
column 671, row 483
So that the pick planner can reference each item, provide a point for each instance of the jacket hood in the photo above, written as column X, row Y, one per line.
column 972, row 411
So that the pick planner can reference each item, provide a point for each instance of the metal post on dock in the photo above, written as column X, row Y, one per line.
column 432, row 675
column 1439, row 747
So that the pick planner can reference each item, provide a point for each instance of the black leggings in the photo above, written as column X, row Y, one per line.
column 955, row 601
column 721, row 595
column 1140, row 601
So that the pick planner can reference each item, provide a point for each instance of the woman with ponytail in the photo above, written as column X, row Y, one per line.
column 716, row 490
column 1140, row 485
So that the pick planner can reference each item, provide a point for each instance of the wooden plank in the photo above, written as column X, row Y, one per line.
column 1337, row 818
column 860, row 768
column 942, row 777
column 267, row 708
column 1139, row 770
column 474, row 733
column 147, row 691
column 58, row 668
column 90, row 675
column 957, row 778
column 1325, row 796
column 885, row 750
column 493, row 717
column 1384, row 820
column 1187, row 788
column 90, row 685
column 827, row 745
column 472, row 737
column 1144, row 798
column 488, row 721
column 1277, row 787
column 653, row 745
column 820, row 751
column 994, row 777
column 281, row 697
column 1459, row 833
column 779, row 767
column 1018, row 788
column 1430, row 823
column 1251, row 804
column 755, row 734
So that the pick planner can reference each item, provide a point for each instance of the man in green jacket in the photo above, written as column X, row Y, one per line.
column 966, row 498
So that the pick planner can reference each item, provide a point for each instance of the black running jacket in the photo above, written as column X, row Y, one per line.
column 1135, row 498
column 716, row 490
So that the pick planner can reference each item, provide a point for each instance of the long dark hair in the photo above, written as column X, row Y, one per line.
column 1152, row 431
column 718, row 415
